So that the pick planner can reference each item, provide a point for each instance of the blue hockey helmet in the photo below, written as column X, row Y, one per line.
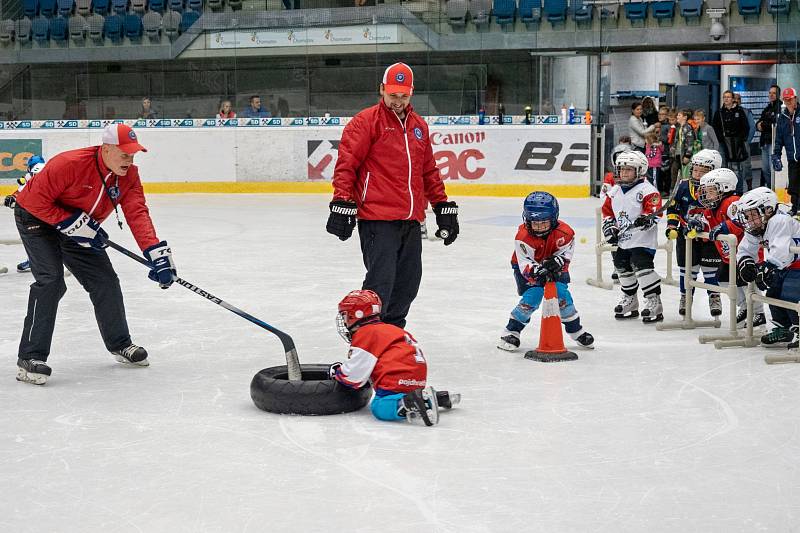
column 35, row 164
column 540, row 206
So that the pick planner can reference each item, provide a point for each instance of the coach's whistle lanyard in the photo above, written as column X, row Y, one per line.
column 113, row 192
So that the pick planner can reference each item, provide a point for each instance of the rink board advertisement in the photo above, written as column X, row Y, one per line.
column 468, row 154
column 14, row 154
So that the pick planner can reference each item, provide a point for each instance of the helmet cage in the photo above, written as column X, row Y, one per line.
column 754, row 219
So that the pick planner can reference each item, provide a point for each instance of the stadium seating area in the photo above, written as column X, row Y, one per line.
column 76, row 22
column 57, row 22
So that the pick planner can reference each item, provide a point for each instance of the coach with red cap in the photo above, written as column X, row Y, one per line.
column 58, row 216
column 384, row 177
column 787, row 136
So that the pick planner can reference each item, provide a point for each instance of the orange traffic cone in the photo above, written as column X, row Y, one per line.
column 551, row 340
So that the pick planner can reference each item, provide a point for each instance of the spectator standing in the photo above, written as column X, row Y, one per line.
column 638, row 129
column 705, row 133
column 654, row 151
column 147, row 110
column 682, row 147
column 255, row 110
column 384, row 176
column 787, row 136
column 731, row 126
column 649, row 111
column 765, row 124
column 747, row 167
column 226, row 110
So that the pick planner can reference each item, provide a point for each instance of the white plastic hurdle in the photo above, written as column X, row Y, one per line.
column 3, row 268
column 602, row 247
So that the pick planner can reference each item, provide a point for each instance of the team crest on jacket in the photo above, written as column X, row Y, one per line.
column 113, row 192
column 418, row 133
column 639, row 197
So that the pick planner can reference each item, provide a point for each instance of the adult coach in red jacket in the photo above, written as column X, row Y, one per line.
column 384, row 177
column 58, row 216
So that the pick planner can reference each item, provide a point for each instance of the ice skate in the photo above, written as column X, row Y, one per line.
column 615, row 278
column 777, row 338
column 509, row 341
column 794, row 344
column 132, row 355
column 421, row 405
column 682, row 305
column 585, row 339
column 446, row 399
column 741, row 319
column 23, row 267
column 628, row 307
column 714, row 304
column 653, row 310
column 32, row 371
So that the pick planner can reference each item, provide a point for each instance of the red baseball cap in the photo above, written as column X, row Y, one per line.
column 124, row 137
column 398, row 78
column 788, row 93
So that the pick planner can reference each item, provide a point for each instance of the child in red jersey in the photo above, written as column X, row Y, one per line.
column 542, row 252
column 390, row 358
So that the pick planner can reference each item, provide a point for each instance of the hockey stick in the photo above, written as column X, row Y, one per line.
column 292, row 363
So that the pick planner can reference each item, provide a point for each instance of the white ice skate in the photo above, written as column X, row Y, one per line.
column 628, row 307
column 509, row 341
column 714, row 304
column 653, row 310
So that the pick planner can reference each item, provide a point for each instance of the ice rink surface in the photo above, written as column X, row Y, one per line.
column 651, row 431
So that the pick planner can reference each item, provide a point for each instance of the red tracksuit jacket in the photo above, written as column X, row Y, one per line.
column 386, row 166
column 73, row 181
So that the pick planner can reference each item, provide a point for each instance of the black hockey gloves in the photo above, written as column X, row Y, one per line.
column 10, row 201
column 610, row 231
column 342, row 219
column 747, row 269
column 447, row 221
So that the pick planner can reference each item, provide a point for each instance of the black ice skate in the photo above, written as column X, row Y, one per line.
column 446, row 399
column 420, row 405
column 653, row 310
column 33, row 371
column 715, row 304
column 682, row 305
column 741, row 319
column 132, row 355
column 585, row 339
column 509, row 341
column 628, row 307
column 794, row 345
column 777, row 338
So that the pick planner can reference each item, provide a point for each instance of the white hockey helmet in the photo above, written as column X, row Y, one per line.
column 705, row 159
column 714, row 185
column 631, row 159
column 755, row 208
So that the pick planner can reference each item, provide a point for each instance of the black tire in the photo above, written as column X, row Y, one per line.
column 316, row 394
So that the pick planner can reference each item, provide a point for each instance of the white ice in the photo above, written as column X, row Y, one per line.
column 651, row 431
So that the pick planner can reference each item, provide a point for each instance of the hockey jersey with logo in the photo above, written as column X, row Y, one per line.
column 386, row 355
column 781, row 233
column 530, row 250
column 624, row 205
column 724, row 212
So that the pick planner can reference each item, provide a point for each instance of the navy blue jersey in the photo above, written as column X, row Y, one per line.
column 684, row 205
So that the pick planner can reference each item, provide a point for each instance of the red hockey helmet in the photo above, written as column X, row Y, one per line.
column 355, row 310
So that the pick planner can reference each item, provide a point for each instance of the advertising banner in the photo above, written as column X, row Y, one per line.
column 14, row 154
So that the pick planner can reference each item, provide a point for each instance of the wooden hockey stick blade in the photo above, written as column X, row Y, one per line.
column 780, row 359
column 292, row 362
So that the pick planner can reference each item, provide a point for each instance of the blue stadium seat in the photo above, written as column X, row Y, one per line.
column 65, row 7
column 635, row 10
column 779, row 7
column 749, row 7
column 555, row 11
column 691, row 8
column 187, row 19
column 133, row 27
column 113, row 28
column 120, row 7
column 58, row 29
column 47, row 8
column 157, row 6
column 504, row 11
column 175, row 5
column 530, row 12
column 580, row 11
column 663, row 9
column 195, row 5
column 40, row 30
column 100, row 6
column 139, row 6
column 30, row 8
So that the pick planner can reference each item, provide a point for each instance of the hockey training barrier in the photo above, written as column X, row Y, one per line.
column 3, row 268
column 688, row 321
column 602, row 247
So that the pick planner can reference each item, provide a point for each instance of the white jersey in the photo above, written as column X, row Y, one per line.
column 625, row 207
column 782, row 232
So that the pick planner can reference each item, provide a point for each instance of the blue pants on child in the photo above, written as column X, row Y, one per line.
column 785, row 287
column 532, row 299
column 385, row 404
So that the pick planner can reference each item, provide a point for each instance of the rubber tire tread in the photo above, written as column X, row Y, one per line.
column 316, row 394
